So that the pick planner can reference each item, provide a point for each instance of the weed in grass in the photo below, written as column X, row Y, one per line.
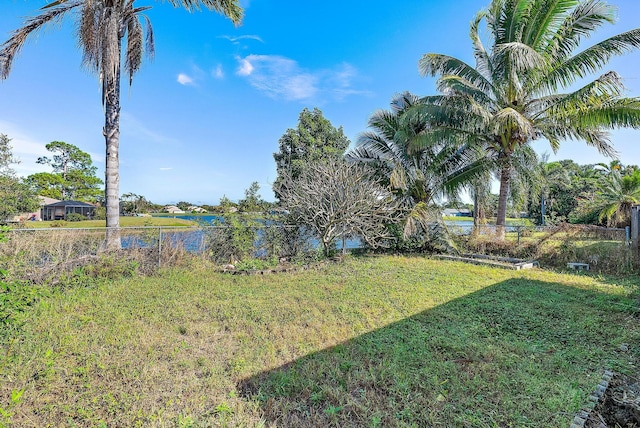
column 332, row 411
column 224, row 409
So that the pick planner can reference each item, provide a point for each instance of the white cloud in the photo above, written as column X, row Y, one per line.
column 26, row 149
column 245, row 68
column 166, row 168
column 184, row 79
column 236, row 39
column 281, row 77
column 218, row 72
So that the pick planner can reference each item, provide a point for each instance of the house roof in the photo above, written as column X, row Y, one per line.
column 70, row 204
column 47, row 201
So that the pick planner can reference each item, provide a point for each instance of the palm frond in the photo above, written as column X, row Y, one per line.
column 617, row 113
column 450, row 84
column 521, row 57
column 583, row 20
column 229, row 8
column 12, row 47
column 433, row 64
column 483, row 61
column 593, row 137
column 600, row 92
column 150, row 44
column 510, row 122
column 547, row 17
column 135, row 47
column 589, row 61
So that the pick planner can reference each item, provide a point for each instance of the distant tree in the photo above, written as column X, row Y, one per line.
column 66, row 158
column 15, row 196
column 131, row 203
column 314, row 139
column 210, row 208
column 552, row 179
column 566, row 188
column 74, row 175
column 46, row 184
column 336, row 200
column 227, row 205
column 252, row 201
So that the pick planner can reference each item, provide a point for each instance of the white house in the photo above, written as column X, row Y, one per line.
column 196, row 209
column 172, row 209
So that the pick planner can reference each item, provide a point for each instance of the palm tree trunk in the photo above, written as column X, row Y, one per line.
column 478, row 208
column 501, row 216
column 112, row 175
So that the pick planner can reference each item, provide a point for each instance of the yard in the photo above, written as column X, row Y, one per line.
column 124, row 222
column 374, row 341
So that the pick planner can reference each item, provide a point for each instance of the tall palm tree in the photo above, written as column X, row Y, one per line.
column 520, row 88
column 103, row 26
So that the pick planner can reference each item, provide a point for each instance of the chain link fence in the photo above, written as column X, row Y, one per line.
column 36, row 253
column 606, row 250
column 39, row 254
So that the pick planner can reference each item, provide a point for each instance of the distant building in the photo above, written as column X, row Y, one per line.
column 61, row 209
column 196, row 209
column 172, row 209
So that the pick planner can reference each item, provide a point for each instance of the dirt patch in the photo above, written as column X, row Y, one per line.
column 620, row 405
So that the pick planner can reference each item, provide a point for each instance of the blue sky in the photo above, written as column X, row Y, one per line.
column 203, row 118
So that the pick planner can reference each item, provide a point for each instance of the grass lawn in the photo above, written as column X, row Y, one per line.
column 124, row 222
column 376, row 341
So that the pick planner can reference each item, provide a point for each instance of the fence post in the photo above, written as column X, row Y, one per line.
column 635, row 225
column 159, row 246
column 518, row 230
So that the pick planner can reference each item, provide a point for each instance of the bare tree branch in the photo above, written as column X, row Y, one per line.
column 338, row 200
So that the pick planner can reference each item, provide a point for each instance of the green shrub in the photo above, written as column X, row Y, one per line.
column 257, row 264
column 15, row 298
column 75, row 217
column 309, row 257
column 100, row 213
column 233, row 238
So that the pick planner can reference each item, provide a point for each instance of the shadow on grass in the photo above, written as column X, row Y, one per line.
column 519, row 353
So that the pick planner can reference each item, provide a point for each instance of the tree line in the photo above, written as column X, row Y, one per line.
column 481, row 123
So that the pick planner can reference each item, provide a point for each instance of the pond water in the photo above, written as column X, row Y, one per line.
column 194, row 240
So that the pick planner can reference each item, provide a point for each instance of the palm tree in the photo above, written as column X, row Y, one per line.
column 103, row 26
column 418, row 173
column 516, row 92
column 618, row 195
